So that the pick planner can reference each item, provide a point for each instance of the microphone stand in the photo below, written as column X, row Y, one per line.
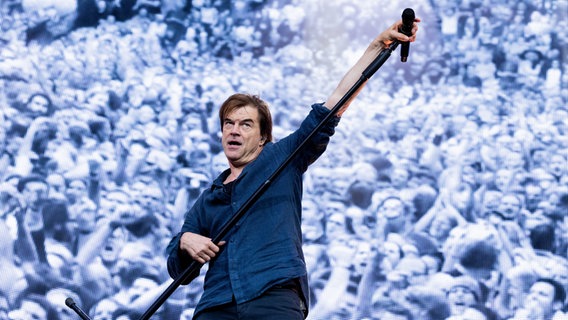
column 193, row 269
column 71, row 304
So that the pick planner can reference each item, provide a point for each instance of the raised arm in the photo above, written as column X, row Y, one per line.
column 381, row 42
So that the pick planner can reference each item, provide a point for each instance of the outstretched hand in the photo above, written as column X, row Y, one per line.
column 382, row 41
column 393, row 33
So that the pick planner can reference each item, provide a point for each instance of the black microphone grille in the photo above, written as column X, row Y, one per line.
column 407, row 21
column 408, row 15
column 69, row 302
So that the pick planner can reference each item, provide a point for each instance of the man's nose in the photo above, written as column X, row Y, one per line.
column 235, row 130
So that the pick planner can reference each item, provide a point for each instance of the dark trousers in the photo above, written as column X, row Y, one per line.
column 278, row 303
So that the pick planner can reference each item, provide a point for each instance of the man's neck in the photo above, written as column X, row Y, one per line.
column 232, row 176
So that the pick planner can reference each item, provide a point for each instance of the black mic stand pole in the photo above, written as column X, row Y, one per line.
column 193, row 269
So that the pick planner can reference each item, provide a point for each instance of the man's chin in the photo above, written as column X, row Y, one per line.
column 237, row 161
column 232, row 155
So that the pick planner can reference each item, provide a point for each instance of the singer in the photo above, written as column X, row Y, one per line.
column 259, row 271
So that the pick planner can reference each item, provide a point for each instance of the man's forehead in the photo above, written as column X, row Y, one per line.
column 243, row 113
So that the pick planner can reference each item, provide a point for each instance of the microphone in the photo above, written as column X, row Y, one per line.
column 407, row 21
column 71, row 304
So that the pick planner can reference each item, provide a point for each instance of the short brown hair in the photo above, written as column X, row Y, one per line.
column 240, row 100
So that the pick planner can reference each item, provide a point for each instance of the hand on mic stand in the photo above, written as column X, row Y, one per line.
column 407, row 21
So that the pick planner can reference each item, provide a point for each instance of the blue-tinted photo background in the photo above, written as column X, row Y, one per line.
column 454, row 162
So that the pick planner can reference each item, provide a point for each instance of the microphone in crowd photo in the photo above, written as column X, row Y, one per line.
column 71, row 304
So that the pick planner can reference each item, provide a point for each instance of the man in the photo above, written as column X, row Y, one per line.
column 34, row 190
column 463, row 293
column 478, row 260
column 260, row 273
column 505, row 220
column 544, row 301
column 56, row 298
column 33, row 306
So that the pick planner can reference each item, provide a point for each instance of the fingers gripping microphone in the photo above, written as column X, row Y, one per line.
column 71, row 304
column 407, row 22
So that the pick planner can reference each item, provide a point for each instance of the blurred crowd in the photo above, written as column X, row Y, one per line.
column 443, row 194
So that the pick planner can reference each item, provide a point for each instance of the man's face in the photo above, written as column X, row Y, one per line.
column 57, row 302
column 151, row 200
column 333, row 207
column 541, row 296
column 502, row 179
column 115, row 242
column 509, row 207
column 399, row 177
column 29, row 310
column 547, row 181
column 533, row 193
column 38, row 105
column 393, row 211
column 141, row 286
column 111, row 200
column 137, row 254
column 335, row 225
column 540, row 157
column 340, row 186
column 85, row 219
column 76, row 190
column 513, row 160
column 557, row 165
column 364, row 253
column 414, row 269
column 104, row 309
column 241, row 139
column 440, row 227
column 460, row 299
column 34, row 192
column 321, row 179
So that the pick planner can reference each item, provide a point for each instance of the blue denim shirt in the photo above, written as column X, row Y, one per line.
column 265, row 247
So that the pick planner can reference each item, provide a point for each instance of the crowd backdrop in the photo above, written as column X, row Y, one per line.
column 444, row 192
